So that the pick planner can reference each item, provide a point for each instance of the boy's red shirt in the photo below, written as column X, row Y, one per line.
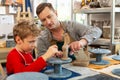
column 17, row 63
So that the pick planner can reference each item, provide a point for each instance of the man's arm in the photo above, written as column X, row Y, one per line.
column 84, row 35
column 41, row 47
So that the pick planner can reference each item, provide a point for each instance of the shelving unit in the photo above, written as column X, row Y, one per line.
column 98, row 10
column 106, row 10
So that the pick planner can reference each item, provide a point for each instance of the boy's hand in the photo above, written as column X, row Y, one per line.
column 52, row 50
column 59, row 54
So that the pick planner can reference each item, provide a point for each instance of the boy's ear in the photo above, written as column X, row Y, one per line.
column 18, row 40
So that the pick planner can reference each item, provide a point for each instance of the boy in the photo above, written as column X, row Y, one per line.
column 19, row 58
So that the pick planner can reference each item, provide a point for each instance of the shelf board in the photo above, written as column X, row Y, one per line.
column 97, row 10
column 104, row 42
column 101, row 42
column 116, row 42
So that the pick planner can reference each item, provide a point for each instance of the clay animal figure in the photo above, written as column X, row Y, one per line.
column 82, row 56
column 65, row 46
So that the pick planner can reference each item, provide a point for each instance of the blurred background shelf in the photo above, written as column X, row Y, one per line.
column 106, row 14
column 97, row 10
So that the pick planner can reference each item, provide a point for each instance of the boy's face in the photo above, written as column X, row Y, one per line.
column 27, row 44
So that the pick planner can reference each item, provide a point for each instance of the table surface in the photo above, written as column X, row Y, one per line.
column 87, row 72
column 84, row 71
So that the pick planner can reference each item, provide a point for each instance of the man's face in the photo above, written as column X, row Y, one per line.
column 48, row 18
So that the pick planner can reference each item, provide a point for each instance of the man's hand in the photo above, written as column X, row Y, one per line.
column 77, row 45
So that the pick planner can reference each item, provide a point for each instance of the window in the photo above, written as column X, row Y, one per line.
column 63, row 8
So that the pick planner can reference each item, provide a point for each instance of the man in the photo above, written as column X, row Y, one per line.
column 81, row 34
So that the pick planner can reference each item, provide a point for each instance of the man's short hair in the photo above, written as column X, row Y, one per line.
column 42, row 6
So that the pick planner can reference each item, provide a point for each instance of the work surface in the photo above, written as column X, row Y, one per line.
column 84, row 71
column 88, row 72
column 92, row 72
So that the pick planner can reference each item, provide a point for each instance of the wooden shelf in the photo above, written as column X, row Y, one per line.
column 97, row 10
column 101, row 42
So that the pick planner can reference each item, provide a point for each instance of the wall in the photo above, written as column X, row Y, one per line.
column 7, row 20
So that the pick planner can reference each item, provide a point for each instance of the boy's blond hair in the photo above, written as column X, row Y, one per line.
column 25, row 28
